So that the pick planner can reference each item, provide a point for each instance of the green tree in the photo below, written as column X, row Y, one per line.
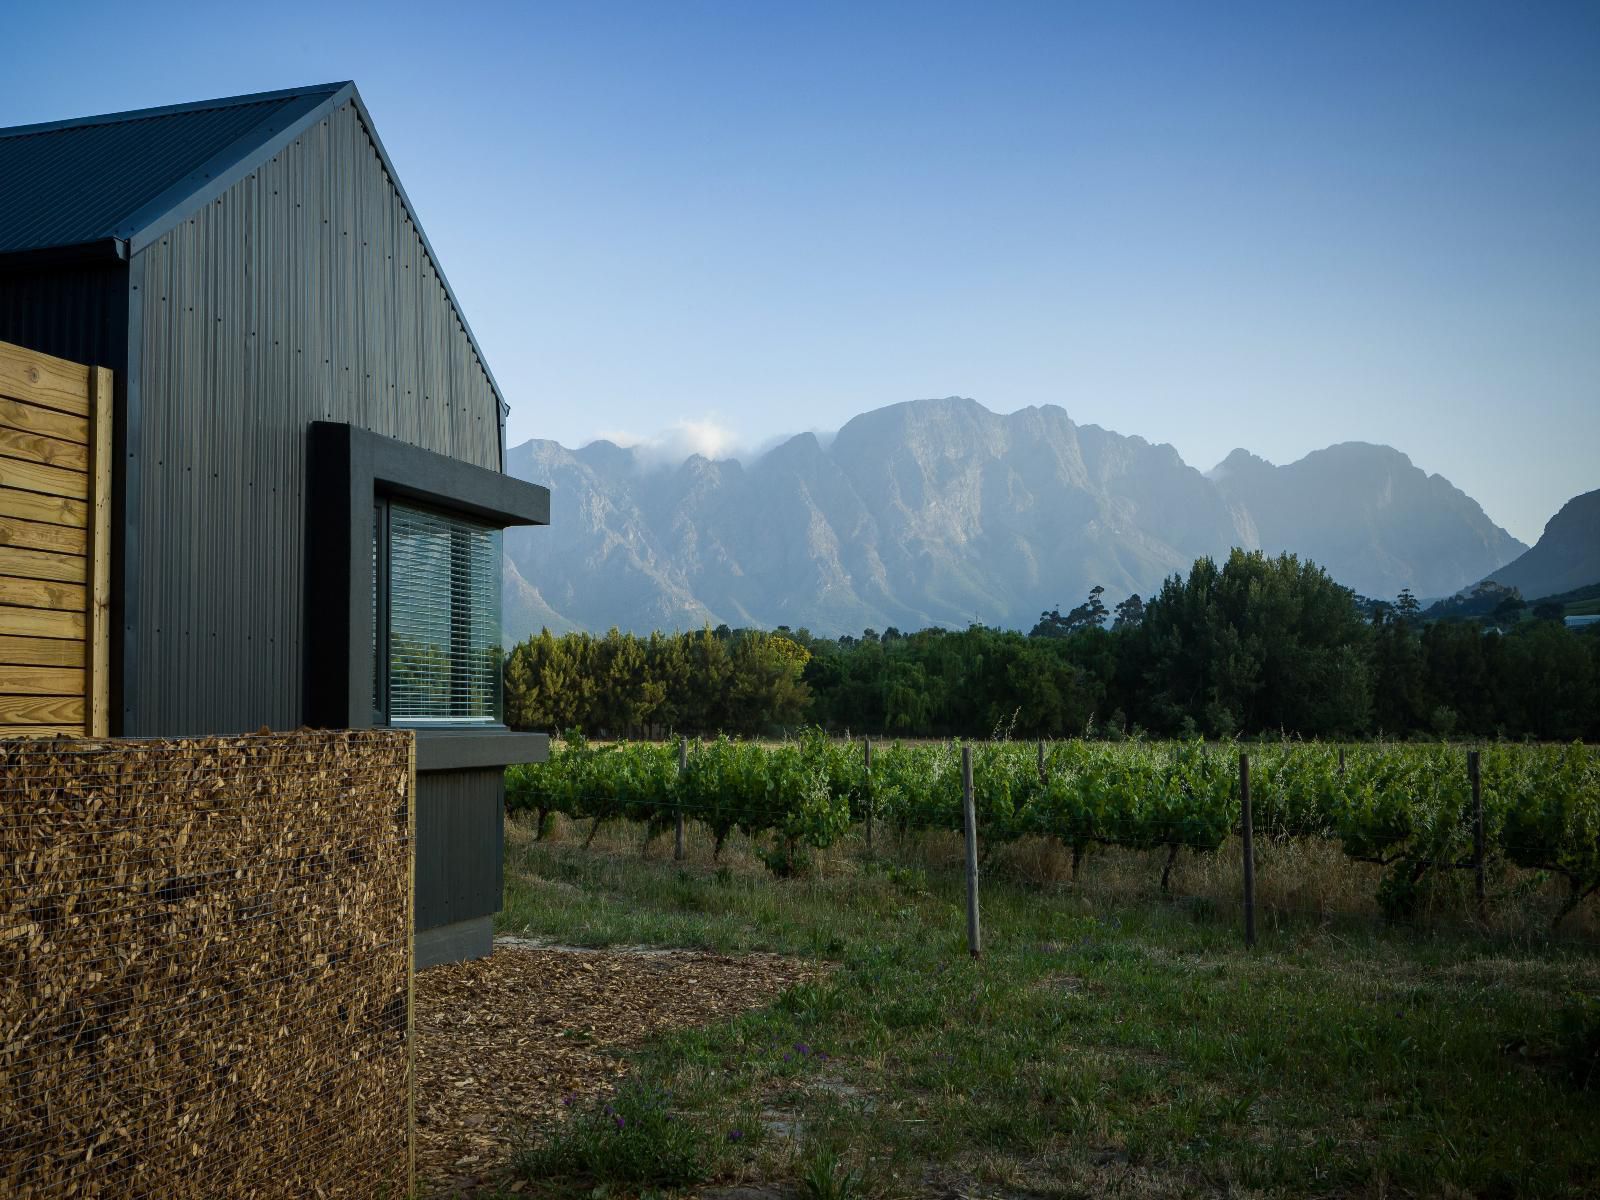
column 1130, row 614
column 766, row 688
column 1091, row 614
column 1261, row 644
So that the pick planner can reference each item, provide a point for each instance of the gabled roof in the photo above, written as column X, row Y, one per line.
column 98, row 179
column 116, row 183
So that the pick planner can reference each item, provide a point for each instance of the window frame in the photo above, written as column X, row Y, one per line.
column 380, row 610
column 347, row 468
column 383, row 505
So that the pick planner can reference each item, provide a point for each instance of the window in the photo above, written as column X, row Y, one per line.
column 436, row 617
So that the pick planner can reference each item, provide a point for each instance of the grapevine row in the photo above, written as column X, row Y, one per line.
column 1407, row 807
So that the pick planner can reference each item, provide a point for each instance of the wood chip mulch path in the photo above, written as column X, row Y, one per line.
column 501, row 1040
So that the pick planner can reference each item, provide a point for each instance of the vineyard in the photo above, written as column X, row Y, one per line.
column 1408, row 808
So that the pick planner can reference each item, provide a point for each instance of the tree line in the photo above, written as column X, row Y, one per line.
column 1254, row 645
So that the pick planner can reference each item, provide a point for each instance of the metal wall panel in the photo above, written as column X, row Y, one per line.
column 460, row 841
column 303, row 293
column 79, row 312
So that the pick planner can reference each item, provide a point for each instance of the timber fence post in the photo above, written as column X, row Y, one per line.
column 1248, row 836
column 1474, row 777
column 866, row 786
column 969, row 814
column 683, row 769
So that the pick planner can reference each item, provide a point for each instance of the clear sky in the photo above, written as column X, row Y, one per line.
column 1275, row 226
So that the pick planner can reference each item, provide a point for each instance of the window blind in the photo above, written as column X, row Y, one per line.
column 444, row 618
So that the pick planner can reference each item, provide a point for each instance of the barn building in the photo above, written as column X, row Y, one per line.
column 300, row 458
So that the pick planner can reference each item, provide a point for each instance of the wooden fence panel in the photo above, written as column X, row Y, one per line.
column 55, row 545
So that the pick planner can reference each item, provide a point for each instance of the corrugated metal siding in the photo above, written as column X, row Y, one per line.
column 460, row 839
column 302, row 294
column 80, row 313
column 63, row 186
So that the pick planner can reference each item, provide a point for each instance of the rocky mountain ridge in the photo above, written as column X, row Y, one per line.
column 942, row 512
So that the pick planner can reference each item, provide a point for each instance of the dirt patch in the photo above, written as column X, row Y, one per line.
column 502, row 1041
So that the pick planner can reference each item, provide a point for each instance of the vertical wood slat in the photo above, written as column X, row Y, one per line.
column 55, row 545
column 98, row 656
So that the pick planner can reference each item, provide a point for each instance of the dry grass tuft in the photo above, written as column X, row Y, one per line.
column 1298, row 879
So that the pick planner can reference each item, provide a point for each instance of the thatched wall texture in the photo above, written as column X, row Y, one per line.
column 205, row 951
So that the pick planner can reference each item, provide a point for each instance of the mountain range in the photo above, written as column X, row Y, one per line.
column 1566, row 556
column 940, row 512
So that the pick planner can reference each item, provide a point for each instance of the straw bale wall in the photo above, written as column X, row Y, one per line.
column 205, row 966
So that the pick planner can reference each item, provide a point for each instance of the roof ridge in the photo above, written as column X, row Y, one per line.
column 169, row 110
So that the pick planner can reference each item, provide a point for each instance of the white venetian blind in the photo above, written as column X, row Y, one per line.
column 444, row 618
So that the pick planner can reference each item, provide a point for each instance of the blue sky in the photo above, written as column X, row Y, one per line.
column 1275, row 226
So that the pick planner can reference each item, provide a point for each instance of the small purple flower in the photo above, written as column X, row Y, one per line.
column 621, row 1121
column 788, row 1058
column 802, row 1049
column 566, row 1101
column 735, row 1134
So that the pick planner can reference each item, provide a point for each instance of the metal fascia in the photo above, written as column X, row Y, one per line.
column 165, row 110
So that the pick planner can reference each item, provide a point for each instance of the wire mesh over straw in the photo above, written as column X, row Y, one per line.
column 204, row 966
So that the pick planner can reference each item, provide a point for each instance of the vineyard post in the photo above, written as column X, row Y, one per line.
column 866, row 764
column 969, row 814
column 1341, row 762
column 1249, row 851
column 1042, row 778
column 1477, row 826
column 683, row 769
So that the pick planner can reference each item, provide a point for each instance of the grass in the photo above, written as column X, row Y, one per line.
column 1107, row 1041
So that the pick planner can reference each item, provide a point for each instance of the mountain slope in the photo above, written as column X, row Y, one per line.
column 942, row 512
column 1566, row 556
column 1376, row 522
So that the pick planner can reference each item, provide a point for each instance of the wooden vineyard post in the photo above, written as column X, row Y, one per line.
column 1341, row 762
column 969, row 815
column 677, row 829
column 1042, row 777
column 1477, row 826
column 866, row 786
column 1249, row 851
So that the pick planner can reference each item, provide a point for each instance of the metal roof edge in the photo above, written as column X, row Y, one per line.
column 229, row 165
column 167, row 110
column 502, row 408
column 107, row 249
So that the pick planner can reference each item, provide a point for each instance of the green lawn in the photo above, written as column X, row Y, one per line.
column 1125, row 1044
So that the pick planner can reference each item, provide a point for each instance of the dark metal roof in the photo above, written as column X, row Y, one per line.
column 67, row 183
column 123, row 179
